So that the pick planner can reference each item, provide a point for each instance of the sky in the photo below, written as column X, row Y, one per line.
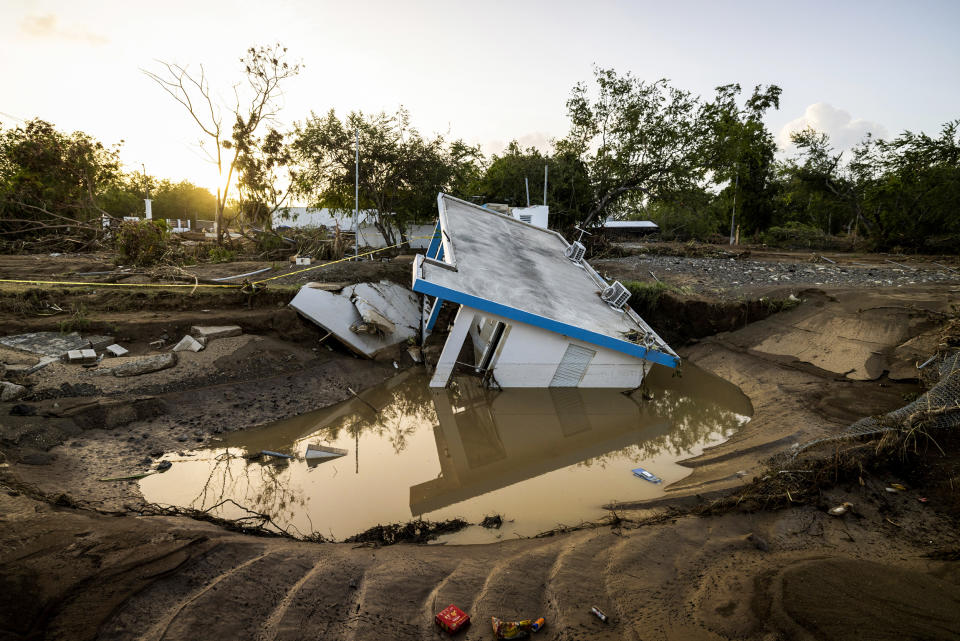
column 487, row 72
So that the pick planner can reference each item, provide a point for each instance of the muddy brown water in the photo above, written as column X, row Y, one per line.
column 539, row 457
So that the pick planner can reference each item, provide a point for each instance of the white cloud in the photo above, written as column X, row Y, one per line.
column 539, row 139
column 844, row 130
column 46, row 26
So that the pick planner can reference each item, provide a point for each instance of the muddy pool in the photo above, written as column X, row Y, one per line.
column 538, row 457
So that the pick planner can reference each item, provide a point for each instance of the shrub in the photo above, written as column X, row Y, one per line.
column 142, row 242
column 220, row 254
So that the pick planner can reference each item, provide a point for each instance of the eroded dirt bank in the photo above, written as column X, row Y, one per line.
column 885, row 570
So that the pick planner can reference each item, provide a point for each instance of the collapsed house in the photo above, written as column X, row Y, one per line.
column 534, row 312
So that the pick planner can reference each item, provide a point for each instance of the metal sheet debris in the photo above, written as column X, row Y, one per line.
column 209, row 333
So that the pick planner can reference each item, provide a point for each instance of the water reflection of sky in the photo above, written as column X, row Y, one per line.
column 539, row 457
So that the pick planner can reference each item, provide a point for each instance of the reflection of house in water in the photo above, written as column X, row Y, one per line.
column 490, row 440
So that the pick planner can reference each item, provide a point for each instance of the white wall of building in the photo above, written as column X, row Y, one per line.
column 535, row 215
column 369, row 236
column 528, row 356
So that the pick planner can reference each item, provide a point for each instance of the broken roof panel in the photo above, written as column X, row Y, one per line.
column 501, row 265
column 342, row 314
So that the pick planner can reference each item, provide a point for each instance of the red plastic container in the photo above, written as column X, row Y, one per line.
column 452, row 618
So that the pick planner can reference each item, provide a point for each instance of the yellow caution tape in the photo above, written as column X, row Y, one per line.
column 97, row 284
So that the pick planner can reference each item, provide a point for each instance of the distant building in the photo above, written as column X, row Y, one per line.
column 629, row 229
column 537, row 215
column 296, row 217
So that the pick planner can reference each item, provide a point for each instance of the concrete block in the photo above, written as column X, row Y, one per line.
column 188, row 344
column 205, row 333
column 11, row 391
column 144, row 365
column 117, row 350
column 99, row 343
column 81, row 356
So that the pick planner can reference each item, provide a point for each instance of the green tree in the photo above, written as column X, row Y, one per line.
column 54, row 182
column 637, row 139
column 911, row 187
column 740, row 152
column 256, row 102
column 568, row 185
column 182, row 200
column 261, row 193
column 401, row 172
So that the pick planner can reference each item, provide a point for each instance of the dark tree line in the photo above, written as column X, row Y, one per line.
column 699, row 167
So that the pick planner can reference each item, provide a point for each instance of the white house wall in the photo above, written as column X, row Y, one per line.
column 299, row 217
column 528, row 356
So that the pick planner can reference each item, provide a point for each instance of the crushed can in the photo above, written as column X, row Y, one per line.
column 452, row 618
column 599, row 614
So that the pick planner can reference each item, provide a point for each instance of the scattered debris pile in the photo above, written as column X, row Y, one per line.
column 412, row 532
column 938, row 408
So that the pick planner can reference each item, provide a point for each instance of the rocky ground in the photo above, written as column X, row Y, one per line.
column 79, row 560
column 754, row 271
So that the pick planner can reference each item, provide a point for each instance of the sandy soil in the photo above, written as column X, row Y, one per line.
column 86, row 565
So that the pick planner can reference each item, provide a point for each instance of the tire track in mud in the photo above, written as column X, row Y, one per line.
column 159, row 630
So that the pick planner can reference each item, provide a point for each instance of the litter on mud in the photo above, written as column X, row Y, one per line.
column 515, row 629
column 451, row 619
column 597, row 612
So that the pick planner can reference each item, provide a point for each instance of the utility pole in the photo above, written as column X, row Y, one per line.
column 545, row 185
column 356, row 201
column 733, row 212
column 527, row 183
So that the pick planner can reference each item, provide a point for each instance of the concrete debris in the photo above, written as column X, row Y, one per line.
column 81, row 356
column 99, row 343
column 52, row 344
column 157, row 344
column 367, row 317
column 11, row 391
column 188, row 344
column 374, row 322
column 143, row 365
column 117, row 350
column 204, row 334
column 25, row 369
column 416, row 354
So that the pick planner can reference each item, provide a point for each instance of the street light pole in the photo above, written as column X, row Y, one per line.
column 356, row 201
column 733, row 212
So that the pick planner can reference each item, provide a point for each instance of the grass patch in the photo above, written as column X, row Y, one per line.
column 646, row 296
column 78, row 320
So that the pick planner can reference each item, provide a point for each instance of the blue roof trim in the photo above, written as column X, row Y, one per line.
column 434, row 313
column 601, row 340
column 435, row 243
